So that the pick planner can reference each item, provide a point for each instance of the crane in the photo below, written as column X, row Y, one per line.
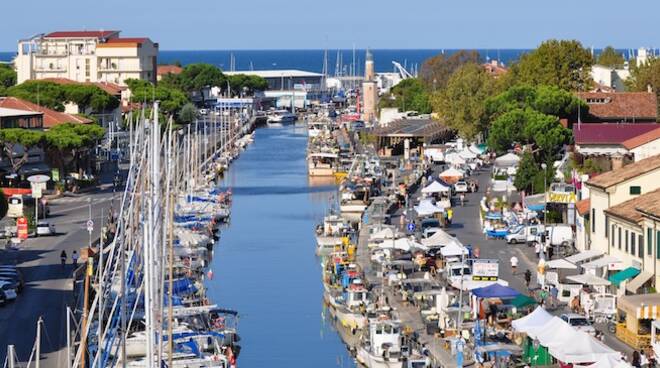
column 402, row 71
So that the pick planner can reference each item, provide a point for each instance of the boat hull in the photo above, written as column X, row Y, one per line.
column 371, row 361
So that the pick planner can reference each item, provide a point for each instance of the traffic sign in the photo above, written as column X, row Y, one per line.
column 90, row 225
column 411, row 227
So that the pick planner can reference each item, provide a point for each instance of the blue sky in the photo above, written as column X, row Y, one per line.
column 303, row 24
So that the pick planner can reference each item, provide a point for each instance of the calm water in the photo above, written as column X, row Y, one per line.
column 265, row 266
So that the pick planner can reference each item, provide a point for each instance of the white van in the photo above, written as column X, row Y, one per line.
column 524, row 234
column 560, row 235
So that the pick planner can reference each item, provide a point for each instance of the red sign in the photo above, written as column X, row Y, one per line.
column 22, row 228
column 11, row 191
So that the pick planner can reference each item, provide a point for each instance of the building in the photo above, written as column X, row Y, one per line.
column 620, row 107
column 163, row 70
column 14, row 118
column 369, row 89
column 610, row 78
column 405, row 136
column 286, row 79
column 613, row 145
column 86, row 56
column 49, row 119
column 611, row 189
column 495, row 69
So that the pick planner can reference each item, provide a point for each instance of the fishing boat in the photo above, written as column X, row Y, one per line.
column 322, row 163
column 280, row 117
column 354, row 200
column 330, row 234
column 381, row 347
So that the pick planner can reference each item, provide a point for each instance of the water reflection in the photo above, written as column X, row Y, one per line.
column 265, row 265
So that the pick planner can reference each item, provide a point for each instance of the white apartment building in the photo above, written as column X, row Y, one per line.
column 86, row 56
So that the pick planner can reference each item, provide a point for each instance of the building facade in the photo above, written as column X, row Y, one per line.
column 86, row 56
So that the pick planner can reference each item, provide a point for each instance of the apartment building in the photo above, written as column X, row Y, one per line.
column 86, row 56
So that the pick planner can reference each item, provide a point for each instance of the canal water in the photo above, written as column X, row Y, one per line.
column 265, row 265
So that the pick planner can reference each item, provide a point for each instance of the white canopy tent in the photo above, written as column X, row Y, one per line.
column 467, row 154
column 454, row 159
column 508, row 160
column 453, row 250
column 451, row 173
column 553, row 333
column 581, row 347
column 560, row 264
column 588, row 279
column 608, row 361
column 435, row 155
column 426, row 208
column 404, row 244
column 440, row 238
column 584, row 256
column 537, row 318
column 385, row 233
column 476, row 150
column 435, row 187
column 603, row 261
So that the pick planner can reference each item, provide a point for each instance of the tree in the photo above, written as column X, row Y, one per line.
column 188, row 113
column 409, row 94
column 243, row 82
column 195, row 77
column 54, row 95
column 506, row 130
column 67, row 142
column 461, row 104
column 7, row 77
column 549, row 100
column 13, row 137
column 171, row 99
column 610, row 57
column 436, row 71
column 528, row 169
column 644, row 76
column 565, row 64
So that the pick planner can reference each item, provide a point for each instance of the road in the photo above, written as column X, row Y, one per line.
column 49, row 287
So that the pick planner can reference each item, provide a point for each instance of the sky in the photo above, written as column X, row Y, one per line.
column 312, row 24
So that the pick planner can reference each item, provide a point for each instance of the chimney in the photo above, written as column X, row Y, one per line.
column 617, row 161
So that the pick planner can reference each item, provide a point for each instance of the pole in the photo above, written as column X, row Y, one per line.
column 83, row 339
column 101, row 283
column 170, row 311
column 10, row 356
column 68, row 336
column 38, row 361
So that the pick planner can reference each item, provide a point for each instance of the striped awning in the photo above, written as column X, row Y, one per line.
column 642, row 306
column 648, row 312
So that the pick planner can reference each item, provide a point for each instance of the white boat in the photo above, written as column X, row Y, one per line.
column 280, row 117
column 347, row 305
column 322, row 163
column 354, row 201
column 318, row 126
column 382, row 346
column 330, row 234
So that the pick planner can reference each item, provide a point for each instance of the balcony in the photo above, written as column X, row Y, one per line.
column 50, row 69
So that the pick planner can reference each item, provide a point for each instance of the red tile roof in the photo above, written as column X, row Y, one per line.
column 51, row 117
column 642, row 139
column 618, row 176
column 138, row 40
column 610, row 133
column 81, row 34
column 169, row 69
column 626, row 106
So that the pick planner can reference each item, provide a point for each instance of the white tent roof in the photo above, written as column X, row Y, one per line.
column 584, row 255
column 580, row 348
column 440, row 237
column 435, row 155
column 608, row 361
column 453, row 249
column 510, row 159
column 553, row 333
column 588, row 279
column 561, row 264
column 537, row 318
column 454, row 158
column 385, row 233
column 404, row 244
column 435, row 187
column 476, row 150
column 426, row 207
column 467, row 154
column 601, row 262
column 471, row 284
column 451, row 172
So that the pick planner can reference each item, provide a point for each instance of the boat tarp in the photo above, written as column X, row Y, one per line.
column 623, row 275
column 436, row 187
column 522, row 301
column 580, row 347
column 496, row 291
column 537, row 318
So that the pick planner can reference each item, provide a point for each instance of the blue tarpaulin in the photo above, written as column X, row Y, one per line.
column 495, row 291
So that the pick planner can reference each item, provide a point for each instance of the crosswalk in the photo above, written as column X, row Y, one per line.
column 73, row 200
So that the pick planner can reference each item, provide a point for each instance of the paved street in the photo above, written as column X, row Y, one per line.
column 48, row 287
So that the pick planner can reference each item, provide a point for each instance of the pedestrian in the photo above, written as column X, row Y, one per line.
column 514, row 264
column 644, row 362
column 528, row 278
column 74, row 258
column 450, row 215
column 462, row 197
column 636, row 360
column 63, row 258
column 537, row 249
column 551, row 251
column 554, row 294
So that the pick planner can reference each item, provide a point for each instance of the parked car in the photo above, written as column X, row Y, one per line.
column 203, row 111
column 461, row 187
column 9, row 290
column 524, row 234
column 45, row 228
column 579, row 322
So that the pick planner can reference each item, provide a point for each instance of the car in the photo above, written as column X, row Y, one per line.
column 579, row 322
column 45, row 228
column 430, row 223
column 14, row 276
column 9, row 290
column 461, row 187
column 203, row 111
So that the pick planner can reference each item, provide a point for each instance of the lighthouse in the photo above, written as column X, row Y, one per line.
column 369, row 89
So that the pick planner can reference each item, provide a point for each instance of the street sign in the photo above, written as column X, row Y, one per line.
column 411, row 227
column 485, row 270
column 90, row 225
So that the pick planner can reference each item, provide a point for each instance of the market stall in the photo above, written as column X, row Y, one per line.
column 451, row 175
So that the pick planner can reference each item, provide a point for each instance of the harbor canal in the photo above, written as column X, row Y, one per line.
column 265, row 264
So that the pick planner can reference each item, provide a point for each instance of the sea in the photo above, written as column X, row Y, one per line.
column 339, row 61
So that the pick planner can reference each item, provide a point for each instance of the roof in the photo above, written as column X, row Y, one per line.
column 51, row 117
column 168, row 69
column 610, row 133
column 427, row 128
column 628, row 209
column 621, row 105
column 82, row 34
column 7, row 112
column 583, row 206
column 642, row 139
column 124, row 42
column 623, row 275
column 614, row 177
column 286, row 73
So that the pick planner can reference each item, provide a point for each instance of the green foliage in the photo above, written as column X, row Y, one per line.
column 55, row 95
column 546, row 99
column 249, row 83
column 644, row 76
column 561, row 63
column 10, row 137
column 610, row 57
column 436, row 71
column 171, row 99
column 7, row 76
column 530, row 175
column 507, row 129
column 462, row 103
column 197, row 76
column 187, row 114
column 409, row 94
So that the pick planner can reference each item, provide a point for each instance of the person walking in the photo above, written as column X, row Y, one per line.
column 450, row 215
column 74, row 258
column 514, row 264
column 554, row 296
column 528, row 278
column 636, row 360
column 537, row 249
column 63, row 258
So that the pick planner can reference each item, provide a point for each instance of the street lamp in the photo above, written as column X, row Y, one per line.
column 545, row 202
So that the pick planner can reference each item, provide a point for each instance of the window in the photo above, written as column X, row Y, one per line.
column 593, row 220
column 657, row 245
column 612, row 238
column 640, row 245
column 619, row 238
column 635, row 190
column 632, row 243
column 626, row 241
column 649, row 242
column 607, row 225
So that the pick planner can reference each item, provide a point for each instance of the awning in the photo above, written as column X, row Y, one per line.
column 638, row 281
column 522, row 301
column 601, row 262
column 560, row 264
column 585, row 255
column 623, row 275
column 642, row 306
column 495, row 291
column 588, row 279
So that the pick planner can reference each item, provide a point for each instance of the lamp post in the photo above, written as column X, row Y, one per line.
column 545, row 201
